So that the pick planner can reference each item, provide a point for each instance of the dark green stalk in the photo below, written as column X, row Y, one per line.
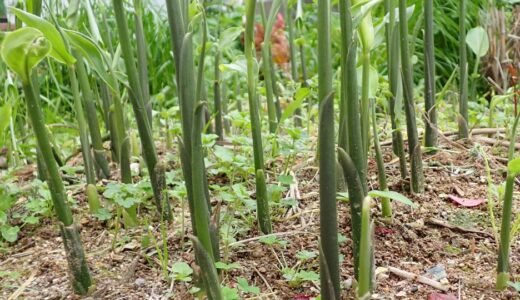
column 365, row 260
column 135, row 93
column 355, row 141
column 271, row 108
column 201, row 210
column 394, row 77
column 83, row 130
column 414, row 147
column 327, row 157
column 208, row 271
column 92, row 120
column 346, row 42
column 430, row 134
column 217, row 93
column 182, row 46
column 81, row 280
column 505, row 230
column 268, row 67
column 463, row 73
column 262, row 198
column 386, row 205
column 256, row 129
column 123, row 141
column 225, row 105
column 142, row 59
column 356, row 196
column 200, row 83
column 292, row 47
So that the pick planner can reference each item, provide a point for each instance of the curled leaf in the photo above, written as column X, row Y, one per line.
column 23, row 49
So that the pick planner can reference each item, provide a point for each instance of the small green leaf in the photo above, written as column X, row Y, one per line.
column 305, row 255
column 392, row 195
column 308, row 276
column 31, row 220
column 515, row 285
column 239, row 65
column 229, row 293
column 182, row 271
column 299, row 96
column 10, row 234
column 245, row 287
column 223, row 266
column 59, row 50
column 23, row 49
column 285, row 179
column 513, row 167
column 477, row 39
column 103, row 214
column 3, row 218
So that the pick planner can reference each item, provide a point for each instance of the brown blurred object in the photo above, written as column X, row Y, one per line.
column 3, row 158
column 279, row 43
column 502, row 62
column 5, row 25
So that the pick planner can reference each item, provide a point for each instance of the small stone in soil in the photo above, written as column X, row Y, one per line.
column 140, row 282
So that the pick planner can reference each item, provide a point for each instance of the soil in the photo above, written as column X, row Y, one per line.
column 467, row 250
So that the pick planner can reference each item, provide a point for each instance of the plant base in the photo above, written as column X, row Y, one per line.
column 78, row 269
column 502, row 279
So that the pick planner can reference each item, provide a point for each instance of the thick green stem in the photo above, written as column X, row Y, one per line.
column 256, row 129
column 365, row 259
column 83, row 130
column 200, row 205
column 414, row 148
column 463, row 73
column 507, row 208
column 145, row 132
column 386, row 205
column 327, row 158
column 365, row 101
column 271, row 108
column 208, row 271
column 80, row 276
column 346, row 42
column 219, row 130
column 430, row 124
column 356, row 196
column 93, row 123
column 142, row 60
column 394, row 78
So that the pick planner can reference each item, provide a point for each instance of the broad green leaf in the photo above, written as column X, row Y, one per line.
column 228, row 36
column 239, row 65
column 392, row 195
column 92, row 53
column 299, row 96
column 477, row 39
column 59, row 50
column 513, row 167
column 23, row 49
